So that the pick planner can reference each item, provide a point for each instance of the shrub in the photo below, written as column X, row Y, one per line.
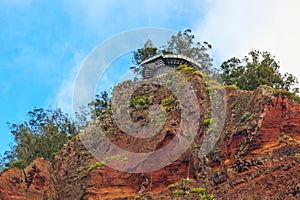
column 21, row 164
column 167, row 102
column 129, row 139
column 171, row 187
column 283, row 138
column 137, row 197
column 210, row 121
column 246, row 116
column 202, row 194
column 198, row 190
column 232, row 86
column 210, row 130
column 286, row 94
column 139, row 100
column 97, row 165
column 189, row 70
column 178, row 192
column 168, row 82
column 184, row 181
column 206, row 197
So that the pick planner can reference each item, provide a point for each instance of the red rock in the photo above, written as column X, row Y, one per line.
column 250, row 161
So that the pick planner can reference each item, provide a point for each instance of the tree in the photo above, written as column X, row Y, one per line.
column 179, row 44
column 142, row 54
column 258, row 68
column 146, row 52
column 99, row 106
column 43, row 135
column 184, row 44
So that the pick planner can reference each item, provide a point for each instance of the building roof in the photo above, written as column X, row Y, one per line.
column 158, row 64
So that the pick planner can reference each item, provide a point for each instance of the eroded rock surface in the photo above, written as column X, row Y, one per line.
column 256, row 157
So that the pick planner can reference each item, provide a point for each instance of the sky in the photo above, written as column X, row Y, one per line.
column 44, row 43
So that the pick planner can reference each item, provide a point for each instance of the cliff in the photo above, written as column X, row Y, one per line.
column 257, row 156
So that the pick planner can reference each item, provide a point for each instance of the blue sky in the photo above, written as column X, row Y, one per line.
column 43, row 43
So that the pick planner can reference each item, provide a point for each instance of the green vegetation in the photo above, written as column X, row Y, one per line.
column 178, row 192
column 46, row 131
column 128, row 139
column 185, row 181
column 246, row 116
column 183, row 189
column 287, row 94
column 260, row 68
column 198, row 190
column 232, row 86
column 168, row 102
column 248, row 73
column 97, row 165
column 202, row 194
column 43, row 135
column 283, row 138
column 180, row 44
column 137, row 197
column 189, row 70
column 115, row 158
column 211, row 124
column 207, row 197
column 144, row 53
column 98, row 108
column 210, row 121
column 139, row 100
column 171, row 187
column 100, row 105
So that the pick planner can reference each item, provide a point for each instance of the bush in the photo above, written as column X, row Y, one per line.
column 137, row 197
column 202, row 194
column 184, row 181
column 129, row 139
column 286, row 94
column 97, row 165
column 232, row 86
column 206, row 197
column 139, row 100
column 17, row 164
column 198, row 190
column 168, row 102
column 171, row 187
column 246, row 116
column 189, row 70
column 210, row 121
column 283, row 138
column 178, row 192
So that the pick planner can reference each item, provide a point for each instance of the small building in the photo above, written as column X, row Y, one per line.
column 161, row 64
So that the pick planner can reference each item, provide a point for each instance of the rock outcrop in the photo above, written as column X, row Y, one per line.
column 34, row 182
column 256, row 157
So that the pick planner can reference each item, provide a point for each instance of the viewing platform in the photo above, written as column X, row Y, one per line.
column 160, row 64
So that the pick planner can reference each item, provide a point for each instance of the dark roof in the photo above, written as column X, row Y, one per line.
column 154, row 66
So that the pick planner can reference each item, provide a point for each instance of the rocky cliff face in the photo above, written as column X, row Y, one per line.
column 256, row 157
column 34, row 182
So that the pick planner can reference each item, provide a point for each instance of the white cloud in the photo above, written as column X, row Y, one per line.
column 64, row 95
column 235, row 27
